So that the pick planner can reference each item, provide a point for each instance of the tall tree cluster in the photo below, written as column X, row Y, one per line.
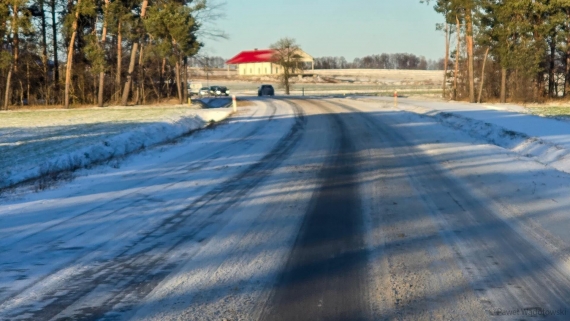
column 64, row 52
column 506, row 50
column 382, row 61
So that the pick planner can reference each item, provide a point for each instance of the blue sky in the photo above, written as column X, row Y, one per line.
column 350, row 28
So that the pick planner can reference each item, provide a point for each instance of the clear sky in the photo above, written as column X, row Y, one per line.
column 349, row 28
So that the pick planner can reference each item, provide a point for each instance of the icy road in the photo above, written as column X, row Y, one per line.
column 297, row 209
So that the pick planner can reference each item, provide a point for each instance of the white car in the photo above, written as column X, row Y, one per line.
column 204, row 92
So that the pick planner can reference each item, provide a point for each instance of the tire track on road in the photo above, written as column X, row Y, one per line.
column 324, row 278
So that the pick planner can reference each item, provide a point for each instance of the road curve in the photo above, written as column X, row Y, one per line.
column 294, row 209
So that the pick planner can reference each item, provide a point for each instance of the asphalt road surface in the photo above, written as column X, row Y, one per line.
column 295, row 209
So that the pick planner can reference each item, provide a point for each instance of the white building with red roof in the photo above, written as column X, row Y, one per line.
column 260, row 62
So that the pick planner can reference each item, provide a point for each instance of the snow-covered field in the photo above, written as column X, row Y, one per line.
column 38, row 143
column 243, row 87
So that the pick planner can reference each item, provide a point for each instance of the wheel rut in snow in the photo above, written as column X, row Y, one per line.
column 132, row 274
column 324, row 278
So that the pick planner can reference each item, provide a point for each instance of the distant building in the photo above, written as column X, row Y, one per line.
column 260, row 62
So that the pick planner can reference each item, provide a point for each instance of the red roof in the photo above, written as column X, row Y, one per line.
column 251, row 56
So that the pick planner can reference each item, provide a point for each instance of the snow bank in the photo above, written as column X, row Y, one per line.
column 215, row 102
column 542, row 150
column 109, row 147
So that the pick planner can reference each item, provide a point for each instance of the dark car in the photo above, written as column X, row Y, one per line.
column 266, row 90
column 219, row 91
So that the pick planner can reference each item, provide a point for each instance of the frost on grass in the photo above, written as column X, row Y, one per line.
column 45, row 143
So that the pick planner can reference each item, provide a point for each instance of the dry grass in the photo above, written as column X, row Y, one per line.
column 245, row 103
column 34, row 118
column 173, row 102
column 550, row 111
column 31, row 139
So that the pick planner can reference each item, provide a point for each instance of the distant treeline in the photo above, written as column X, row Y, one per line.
column 382, row 61
column 207, row 62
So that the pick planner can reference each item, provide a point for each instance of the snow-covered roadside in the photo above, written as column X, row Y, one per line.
column 546, row 141
column 79, row 149
column 528, row 197
column 515, row 185
column 98, row 215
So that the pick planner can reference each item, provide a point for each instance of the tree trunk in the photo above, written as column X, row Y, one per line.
column 457, row 55
column 567, row 78
column 539, row 92
column 446, row 60
column 16, row 36
column 102, row 43
column 503, row 85
column 28, row 82
column 483, row 76
column 551, row 79
column 54, row 43
column 538, row 39
column 44, row 43
column 15, row 45
column 470, row 58
column 119, row 61
column 141, row 74
column 70, row 55
column 101, row 89
column 129, row 81
column 516, row 84
column 136, row 93
column 178, row 80
column 185, row 91
column 21, row 92
column 161, row 80
column 168, row 83
column 128, row 84
column 7, row 93
column 286, row 80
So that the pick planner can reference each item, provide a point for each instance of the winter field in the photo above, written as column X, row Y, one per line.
column 37, row 143
column 303, row 208
column 249, row 88
column 339, row 81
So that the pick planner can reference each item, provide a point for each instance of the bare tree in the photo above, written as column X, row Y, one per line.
column 206, row 63
column 287, row 54
column 207, row 13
